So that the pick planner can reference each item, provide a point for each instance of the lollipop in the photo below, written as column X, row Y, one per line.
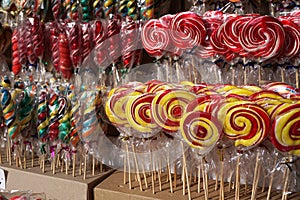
column 98, row 8
column 122, row 9
column 31, row 56
column 55, row 5
column 86, row 40
column 200, row 130
column 74, row 35
column 113, row 35
column 188, row 30
column 138, row 113
column 38, row 37
column 53, row 119
column 292, row 38
column 108, row 7
column 168, row 106
column 74, row 10
column 43, row 112
column 147, row 10
column 64, row 120
column 25, row 110
column 99, row 36
column 66, row 67
column 54, row 43
column 244, row 122
column 16, row 65
column 263, row 37
column 155, row 37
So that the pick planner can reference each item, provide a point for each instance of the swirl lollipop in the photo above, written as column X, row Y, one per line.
column 188, row 30
column 168, row 106
column 54, row 43
column 66, row 67
column 86, row 40
column 56, row 6
column 74, row 10
column 99, row 35
column 74, row 35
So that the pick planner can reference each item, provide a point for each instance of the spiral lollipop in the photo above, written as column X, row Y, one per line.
column 22, row 45
column 75, row 119
column 86, row 10
column 168, row 106
column 155, row 38
column 113, row 35
column 25, row 111
column 188, row 30
column 66, row 67
column 53, row 117
column 263, row 37
column 244, row 122
column 16, row 65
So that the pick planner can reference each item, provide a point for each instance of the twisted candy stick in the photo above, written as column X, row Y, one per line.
column 75, row 118
column 43, row 113
column 74, row 35
column 54, row 35
column 99, row 36
column 113, row 35
column 129, row 38
column 38, row 37
column 53, row 118
column 55, row 5
column 147, row 10
column 65, row 64
column 89, row 123
column 67, row 8
column 25, row 110
column 9, row 111
column 22, row 45
column 86, row 10
column 108, row 7
column 74, row 10
column 86, row 40
column 122, row 9
column 64, row 120
column 98, row 8
column 32, row 58
column 132, row 9
column 16, row 65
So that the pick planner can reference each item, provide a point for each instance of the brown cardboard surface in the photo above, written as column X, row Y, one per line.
column 57, row 186
column 113, row 188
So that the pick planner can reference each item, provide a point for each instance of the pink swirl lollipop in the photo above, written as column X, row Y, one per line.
column 188, row 30
column 155, row 38
column 263, row 37
column 292, row 38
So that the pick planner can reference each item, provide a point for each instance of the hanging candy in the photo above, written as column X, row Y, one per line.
column 86, row 40
column 108, row 7
column 86, row 10
column 74, row 10
column 132, row 9
column 31, row 56
column 65, row 64
column 54, row 43
column 55, row 5
column 99, row 36
column 16, row 65
column 98, row 8
column 74, row 36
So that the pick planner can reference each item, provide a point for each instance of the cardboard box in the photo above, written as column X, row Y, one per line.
column 55, row 186
column 113, row 188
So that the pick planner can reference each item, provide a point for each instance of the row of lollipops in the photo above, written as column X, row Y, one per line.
column 108, row 41
column 246, row 123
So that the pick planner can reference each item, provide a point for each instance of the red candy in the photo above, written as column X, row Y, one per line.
column 263, row 37
column 188, row 30
column 16, row 65
column 54, row 34
column 38, row 37
column 66, row 67
column 74, row 32
column 155, row 37
column 113, row 35
column 99, row 36
column 86, row 40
